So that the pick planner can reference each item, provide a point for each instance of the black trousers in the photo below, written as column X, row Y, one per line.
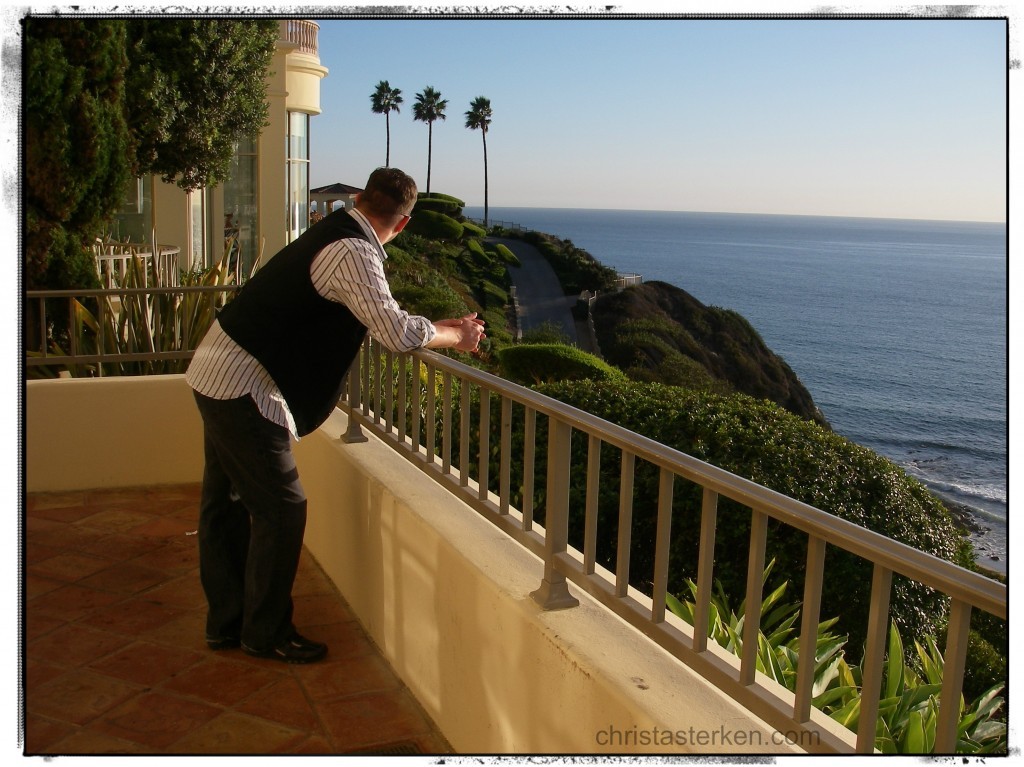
column 251, row 521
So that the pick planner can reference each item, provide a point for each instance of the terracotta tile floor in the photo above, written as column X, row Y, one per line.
column 115, row 661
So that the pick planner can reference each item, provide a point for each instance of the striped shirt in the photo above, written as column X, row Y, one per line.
column 349, row 271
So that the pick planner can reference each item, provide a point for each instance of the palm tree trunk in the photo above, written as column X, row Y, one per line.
column 484, row 134
column 430, row 147
column 387, row 122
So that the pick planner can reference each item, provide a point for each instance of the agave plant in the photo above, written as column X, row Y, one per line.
column 123, row 323
column 908, row 708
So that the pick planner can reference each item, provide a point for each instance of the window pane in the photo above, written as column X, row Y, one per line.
column 240, row 206
column 297, row 212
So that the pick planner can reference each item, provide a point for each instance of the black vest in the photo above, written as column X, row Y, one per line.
column 305, row 341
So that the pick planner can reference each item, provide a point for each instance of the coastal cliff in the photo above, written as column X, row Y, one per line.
column 659, row 333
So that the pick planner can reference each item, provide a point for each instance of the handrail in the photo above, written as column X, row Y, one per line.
column 372, row 402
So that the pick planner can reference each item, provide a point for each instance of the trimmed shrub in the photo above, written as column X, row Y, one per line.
column 437, row 301
column 439, row 203
column 535, row 363
column 507, row 255
column 477, row 249
column 472, row 230
column 546, row 333
column 434, row 225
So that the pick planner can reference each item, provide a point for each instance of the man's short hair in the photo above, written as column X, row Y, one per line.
column 389, row 192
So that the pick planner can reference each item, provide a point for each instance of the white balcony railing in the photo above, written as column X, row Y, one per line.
column 397, row 397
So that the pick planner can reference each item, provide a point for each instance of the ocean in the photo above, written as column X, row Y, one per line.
column 897, row 328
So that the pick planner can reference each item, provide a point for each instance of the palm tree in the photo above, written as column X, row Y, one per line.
column 429, row 107
column 385, row 100
column 479, row 116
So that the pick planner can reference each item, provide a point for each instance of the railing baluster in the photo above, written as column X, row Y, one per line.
column 811, row 609
column 752, row 610
column 377, row 381
column 430, row 413
column 366, row 376
column 505, row 463
column 625, row 536
column 446, row 422
column 705, row 569
column 553, row 593
column 529, row 457
column 389, row 391
column 42, row 327
column 954, row 660
column 593, row 494
column 71, row 325
column 874, row 658
column 414, row 403
column 662, row 545
column 465, row 422
column 354, row 434
column 101, row 336
column 483, row 463
column 403, row 398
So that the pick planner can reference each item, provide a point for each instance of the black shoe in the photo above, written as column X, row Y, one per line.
column 223, row 643
column 294, row 649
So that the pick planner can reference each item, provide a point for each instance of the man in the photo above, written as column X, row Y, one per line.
column 269, row 371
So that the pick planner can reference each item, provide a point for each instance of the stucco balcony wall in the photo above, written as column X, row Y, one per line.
column 443, row 593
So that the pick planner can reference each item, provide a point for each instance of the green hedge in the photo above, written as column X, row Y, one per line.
column 434, row 225
column 439, row 203
column 759, row 440
column 532, row 363
column 507, row 255
column 472, row 230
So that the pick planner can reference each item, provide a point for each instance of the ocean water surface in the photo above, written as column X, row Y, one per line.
column 897, row 328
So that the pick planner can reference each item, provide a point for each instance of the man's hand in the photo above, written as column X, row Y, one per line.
column 464, row 333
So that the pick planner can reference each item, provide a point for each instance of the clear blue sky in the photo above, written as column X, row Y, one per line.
column 887, row 118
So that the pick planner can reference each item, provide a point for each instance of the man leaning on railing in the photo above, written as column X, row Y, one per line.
column 256, row 389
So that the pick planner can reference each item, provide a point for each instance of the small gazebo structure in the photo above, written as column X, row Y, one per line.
column 325, row 197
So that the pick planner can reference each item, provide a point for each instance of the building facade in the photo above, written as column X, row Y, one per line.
column 264, row 203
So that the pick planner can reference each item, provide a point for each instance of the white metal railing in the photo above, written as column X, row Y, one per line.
column 624, row 280
column 422, row 405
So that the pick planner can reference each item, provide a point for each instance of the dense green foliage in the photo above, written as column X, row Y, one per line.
column 197, row 86
column 762, row 442
column 76, row 141
column 658, row 332
column 545, row 363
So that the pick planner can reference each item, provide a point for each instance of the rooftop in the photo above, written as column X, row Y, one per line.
column 115, row 661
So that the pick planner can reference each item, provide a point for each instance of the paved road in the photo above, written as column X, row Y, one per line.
column 540, row 293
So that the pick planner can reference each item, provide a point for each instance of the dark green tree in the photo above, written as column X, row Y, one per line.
column 385, row 100
column 76, row 144
column 428, row 108
column 196, row 86
column 479, row 117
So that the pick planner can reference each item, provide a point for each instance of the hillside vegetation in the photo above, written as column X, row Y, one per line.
column 660, row 333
